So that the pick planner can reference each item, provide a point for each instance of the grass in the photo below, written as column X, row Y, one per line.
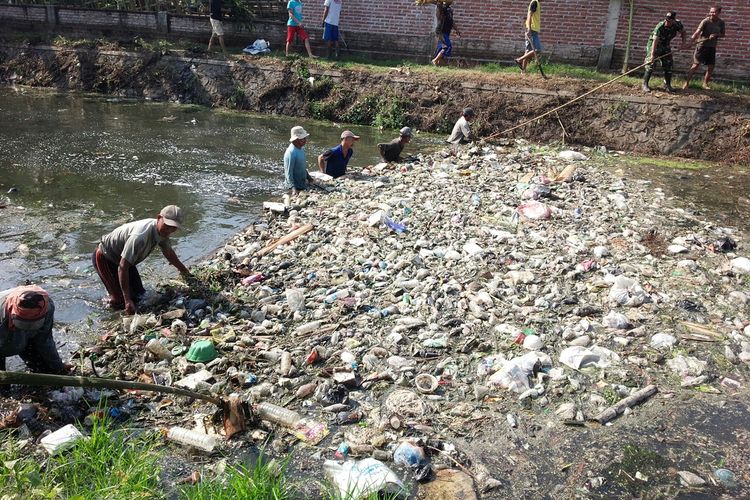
column 263, row 481
column 364, row 62
column 113, row 464
column 109, row 464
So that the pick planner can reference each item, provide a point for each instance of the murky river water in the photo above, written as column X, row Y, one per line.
column 83, row 165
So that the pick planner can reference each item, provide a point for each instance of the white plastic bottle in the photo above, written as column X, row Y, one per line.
column 278, row 415
column 195, row 439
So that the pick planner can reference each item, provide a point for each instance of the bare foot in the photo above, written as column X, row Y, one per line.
column 706, row 86
column 687, row 84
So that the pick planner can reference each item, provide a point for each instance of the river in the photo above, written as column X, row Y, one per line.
column 82, row 165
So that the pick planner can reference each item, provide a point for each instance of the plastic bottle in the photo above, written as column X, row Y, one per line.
column 192, row 438
column 285, row 364
column 158, row 349
column 278, row 415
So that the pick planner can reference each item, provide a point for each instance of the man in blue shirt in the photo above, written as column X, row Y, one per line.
column 294, row 26
column 295, row 165
column 334, row 161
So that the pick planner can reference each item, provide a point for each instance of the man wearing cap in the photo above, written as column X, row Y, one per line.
column 334, row 161
column 119, row 252
column 26, row 317
column 295, row 164
column 707, row 35
column 461, row 130
column 658, row 46
column 391, row 151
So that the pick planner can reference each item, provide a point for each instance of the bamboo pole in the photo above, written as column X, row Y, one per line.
column 284, row 240
column 44, row 379
column 630, row 401
column 630, row 35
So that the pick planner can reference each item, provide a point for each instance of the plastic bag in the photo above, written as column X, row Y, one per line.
column 627, row 292
column 578, row 357
column 534, row 210
column 398, row 227
column 616, row 320
column 363, row 478
column 413, row 456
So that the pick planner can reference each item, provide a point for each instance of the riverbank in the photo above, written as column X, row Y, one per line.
column 692, row 124
column 527, row 290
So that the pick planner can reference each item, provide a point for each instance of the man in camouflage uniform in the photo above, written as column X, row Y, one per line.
column 658, row 45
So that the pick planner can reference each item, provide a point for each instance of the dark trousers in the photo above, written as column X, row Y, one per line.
column 107, row 271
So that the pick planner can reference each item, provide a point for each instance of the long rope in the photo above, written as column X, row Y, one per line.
column 498, row 134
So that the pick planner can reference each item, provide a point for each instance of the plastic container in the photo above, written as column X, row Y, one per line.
column 202, row 351
column 195, row 439
column 158, row 349
column 61, row 439
column 278, row 415
column 426, row 383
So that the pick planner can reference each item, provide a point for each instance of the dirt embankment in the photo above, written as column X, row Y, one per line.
column 703, row 125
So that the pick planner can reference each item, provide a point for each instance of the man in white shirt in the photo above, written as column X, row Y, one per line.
column 461, row 130
column 331, row 14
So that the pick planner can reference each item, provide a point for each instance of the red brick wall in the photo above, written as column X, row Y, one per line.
column 572, row 30
column 733, row 52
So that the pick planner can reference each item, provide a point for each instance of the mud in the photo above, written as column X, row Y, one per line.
column 704, row 125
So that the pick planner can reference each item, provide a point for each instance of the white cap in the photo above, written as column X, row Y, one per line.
column 298, row 133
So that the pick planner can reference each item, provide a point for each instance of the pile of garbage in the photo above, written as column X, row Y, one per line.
column 435, row 300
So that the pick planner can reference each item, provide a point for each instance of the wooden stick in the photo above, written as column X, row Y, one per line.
column 44, row 379
column 284, row 240
column 628, row 402
column 558, row 108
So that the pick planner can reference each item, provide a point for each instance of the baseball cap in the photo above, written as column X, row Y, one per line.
column 349, row 133
column 468, row 112
column 172, row 215
column 297, row 133
column 405, row 131
column 671, row 15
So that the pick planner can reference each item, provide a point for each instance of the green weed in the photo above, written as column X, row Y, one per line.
column 109, row 464
column 263, row 481
column 391, row 113
column 237, row 97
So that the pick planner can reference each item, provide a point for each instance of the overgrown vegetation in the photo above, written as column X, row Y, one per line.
column 124, row 464
column 111, row 463
column 261, row 482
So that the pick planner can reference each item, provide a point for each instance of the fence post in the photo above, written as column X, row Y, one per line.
column 162, row 21
column 610, row 35
column 51, row 13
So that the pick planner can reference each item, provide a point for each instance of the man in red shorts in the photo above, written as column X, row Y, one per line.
column 294, row 26
column 707, row 35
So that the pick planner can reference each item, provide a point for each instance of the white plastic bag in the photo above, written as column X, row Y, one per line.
column 627, row 292
column 61, row 439
column 578, row 357
column 363, row 478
